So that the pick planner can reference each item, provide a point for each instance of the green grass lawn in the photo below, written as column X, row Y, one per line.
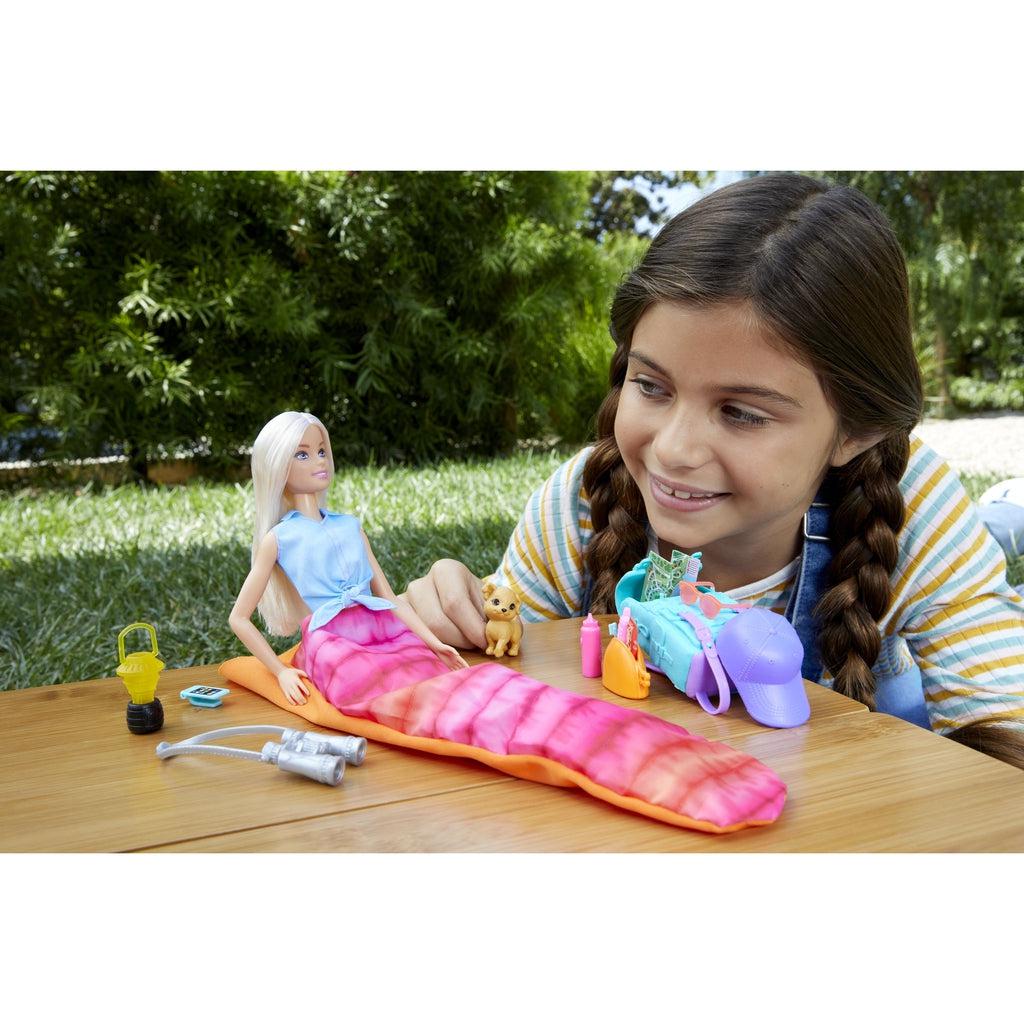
column 78, row 566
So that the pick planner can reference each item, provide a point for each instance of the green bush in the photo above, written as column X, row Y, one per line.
column 418, row 314
column 963, row 235
column 978, row 395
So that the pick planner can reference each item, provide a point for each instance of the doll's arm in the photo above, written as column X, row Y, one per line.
column 381, row 588
column 240, row 620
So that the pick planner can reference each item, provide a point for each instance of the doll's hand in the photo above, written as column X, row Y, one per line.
column 294, row 684
column 449, row 655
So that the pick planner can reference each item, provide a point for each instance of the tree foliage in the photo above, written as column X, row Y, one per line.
column 633, row 201
column 963, row 234
column 418, row 313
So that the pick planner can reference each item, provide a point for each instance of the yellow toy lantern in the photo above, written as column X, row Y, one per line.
column 140, row 672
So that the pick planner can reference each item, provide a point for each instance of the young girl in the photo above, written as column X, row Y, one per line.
column 315, row 567
column 763, row 390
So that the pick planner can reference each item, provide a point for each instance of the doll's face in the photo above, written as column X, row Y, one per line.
column 309, row 471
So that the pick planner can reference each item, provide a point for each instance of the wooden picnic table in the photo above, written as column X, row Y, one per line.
column 72, row 778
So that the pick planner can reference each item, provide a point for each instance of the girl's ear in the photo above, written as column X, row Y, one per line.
column 846, row 451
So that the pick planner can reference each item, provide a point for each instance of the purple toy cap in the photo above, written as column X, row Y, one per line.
column 763, row 656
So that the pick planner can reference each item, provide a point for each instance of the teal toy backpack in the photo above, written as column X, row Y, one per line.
column 707, row 644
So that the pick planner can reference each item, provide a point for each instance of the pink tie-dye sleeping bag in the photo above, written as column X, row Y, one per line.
column 380, row 681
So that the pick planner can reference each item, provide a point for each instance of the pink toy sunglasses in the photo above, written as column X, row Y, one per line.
column 709, row 605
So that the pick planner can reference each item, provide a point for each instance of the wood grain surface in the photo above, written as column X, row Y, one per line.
column 72, row 778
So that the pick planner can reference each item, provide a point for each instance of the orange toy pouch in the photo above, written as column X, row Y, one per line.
column 623, row 670
column 397, row 692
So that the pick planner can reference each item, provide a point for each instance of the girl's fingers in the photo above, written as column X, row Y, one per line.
column 422, row 595
column 460, row 598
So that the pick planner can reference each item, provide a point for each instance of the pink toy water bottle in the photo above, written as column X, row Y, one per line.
column 590, row 646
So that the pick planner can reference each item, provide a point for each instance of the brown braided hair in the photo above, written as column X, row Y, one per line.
column 821, row 267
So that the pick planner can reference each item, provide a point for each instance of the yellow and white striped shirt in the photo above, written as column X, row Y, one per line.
column 952, row 610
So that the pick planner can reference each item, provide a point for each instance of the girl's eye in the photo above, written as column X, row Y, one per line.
column 744, row 417
column 323, row 454
column 648, row 387
column 302, row 456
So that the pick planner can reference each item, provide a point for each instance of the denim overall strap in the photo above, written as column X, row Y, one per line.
column 810, row 584
column 901, row 695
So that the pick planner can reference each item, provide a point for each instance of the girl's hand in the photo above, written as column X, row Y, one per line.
column 449, row 655
column 294, row 684
column 449, row 600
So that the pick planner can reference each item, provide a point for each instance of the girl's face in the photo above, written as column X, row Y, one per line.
column 727, row 437
column 309, row 471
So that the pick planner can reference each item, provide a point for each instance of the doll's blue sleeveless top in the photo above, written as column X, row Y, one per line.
column 327, row 563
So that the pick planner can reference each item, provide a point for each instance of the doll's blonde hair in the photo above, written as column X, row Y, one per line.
column 281, row 607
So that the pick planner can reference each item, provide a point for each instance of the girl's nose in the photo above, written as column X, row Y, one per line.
column 682, row 442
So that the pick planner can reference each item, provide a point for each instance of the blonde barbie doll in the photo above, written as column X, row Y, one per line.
column 315, row 568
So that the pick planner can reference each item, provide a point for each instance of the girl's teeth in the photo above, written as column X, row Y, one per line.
column 686, row 494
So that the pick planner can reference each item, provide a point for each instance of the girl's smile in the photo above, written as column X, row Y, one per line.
column 682, row 497
column 727, row 437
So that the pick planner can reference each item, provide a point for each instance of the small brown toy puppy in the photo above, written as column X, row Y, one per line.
column 504, row 629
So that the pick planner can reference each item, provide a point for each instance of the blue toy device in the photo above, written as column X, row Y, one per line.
column 205, row 696
column 708, row 644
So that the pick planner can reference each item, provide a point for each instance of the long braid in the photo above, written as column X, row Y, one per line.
column 866, row 518
column 995, row 739
column 616, row 505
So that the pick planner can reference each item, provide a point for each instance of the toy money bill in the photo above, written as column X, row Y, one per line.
column 664, row 576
